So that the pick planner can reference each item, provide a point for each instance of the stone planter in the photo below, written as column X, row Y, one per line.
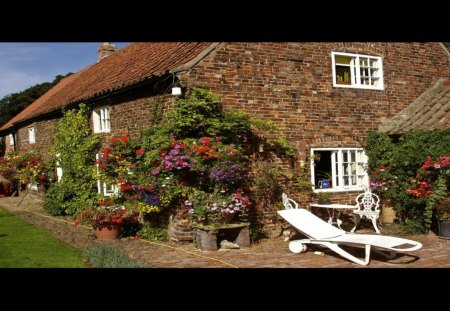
column 444, row 229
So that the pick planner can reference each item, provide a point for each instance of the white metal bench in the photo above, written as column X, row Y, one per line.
column 367, row 204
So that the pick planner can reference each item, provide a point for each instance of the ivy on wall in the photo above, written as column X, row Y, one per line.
column 74, row 153
column 396, row 169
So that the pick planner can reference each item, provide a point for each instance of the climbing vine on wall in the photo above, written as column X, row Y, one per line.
column 74, row 153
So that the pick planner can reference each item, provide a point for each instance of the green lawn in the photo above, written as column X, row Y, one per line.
column 23, row 245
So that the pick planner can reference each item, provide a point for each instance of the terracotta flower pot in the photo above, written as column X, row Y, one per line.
column 108, row 231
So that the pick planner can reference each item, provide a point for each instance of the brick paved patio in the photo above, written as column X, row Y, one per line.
column 266, row 254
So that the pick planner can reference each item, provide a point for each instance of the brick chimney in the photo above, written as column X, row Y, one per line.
column 105, row 50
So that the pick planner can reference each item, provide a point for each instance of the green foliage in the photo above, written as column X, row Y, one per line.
column 401, row 162
column 12, row 104
column 379, row 149
column 265, row 125
column 75, row 148
column 301, row 179
column 286, row 148
column 199, row 113
column 323, row 197
column 267, row 184
column 257, row 233
column 153, row 233
column 105, row 256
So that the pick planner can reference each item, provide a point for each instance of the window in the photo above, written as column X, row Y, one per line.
column 103, row 187
column 357, row 71
column 59, row 170
column 102, row 123
column 11, row 139
column 339, row 169
column 31, row 135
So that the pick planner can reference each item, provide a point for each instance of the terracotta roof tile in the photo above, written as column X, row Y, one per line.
column 133, row 64
column 430, row 111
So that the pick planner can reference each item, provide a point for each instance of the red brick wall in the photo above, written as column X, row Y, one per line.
column 292, row 84
column 129, row 114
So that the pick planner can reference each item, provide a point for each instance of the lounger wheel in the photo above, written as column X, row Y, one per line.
column 297, row 247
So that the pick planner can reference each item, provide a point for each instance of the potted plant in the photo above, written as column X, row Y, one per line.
column 107, row 219
column 443, row 216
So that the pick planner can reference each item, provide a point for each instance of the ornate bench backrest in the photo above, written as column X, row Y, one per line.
column 367, row 202
column 289, row 203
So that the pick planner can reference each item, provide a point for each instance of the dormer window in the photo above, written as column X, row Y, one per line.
column 357, row 71
column 102, row 123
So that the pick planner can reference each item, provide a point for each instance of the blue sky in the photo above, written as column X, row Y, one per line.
column 25, row 64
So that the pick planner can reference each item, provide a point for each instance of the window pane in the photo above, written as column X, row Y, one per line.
column 343, row 69
column 346, row 181
column 353, row 166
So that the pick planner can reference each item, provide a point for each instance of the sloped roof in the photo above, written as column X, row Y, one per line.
column 131, row 65
column 429, row 111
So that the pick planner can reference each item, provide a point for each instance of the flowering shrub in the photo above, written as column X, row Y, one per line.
column 107, row 214
column 24, row 167
column 428, row 173
column 378, row 181
column 218, row 207
column 416, row 178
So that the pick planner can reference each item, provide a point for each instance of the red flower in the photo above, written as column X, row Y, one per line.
column 124, row 138
column 114, row 140
column 140, row 151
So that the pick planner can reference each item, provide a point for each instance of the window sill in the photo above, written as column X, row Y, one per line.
column 355, row 86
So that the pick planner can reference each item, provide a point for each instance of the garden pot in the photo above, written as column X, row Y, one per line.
column 108, row 232
column 444, row 228
column 387, row 214
column 227, row 218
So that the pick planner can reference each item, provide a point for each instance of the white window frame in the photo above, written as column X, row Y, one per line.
column 102, row 187
column 31, row 135
column 59, row 170
column 11, row 139
column 101, row 120
column 361, row 178
column 356, row 69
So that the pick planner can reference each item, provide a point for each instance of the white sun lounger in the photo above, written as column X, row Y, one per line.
column 321, row 233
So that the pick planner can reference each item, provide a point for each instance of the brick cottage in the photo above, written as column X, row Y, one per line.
column 324, row 97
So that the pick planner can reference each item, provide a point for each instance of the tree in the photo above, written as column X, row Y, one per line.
column 12, row 104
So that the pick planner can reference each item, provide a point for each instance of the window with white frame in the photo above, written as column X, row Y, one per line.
column 103, row 187
column 11, row 139
column 31, row 135
column 59, row 170
column 357, row 71
column 101, row 121
column 339, row 169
